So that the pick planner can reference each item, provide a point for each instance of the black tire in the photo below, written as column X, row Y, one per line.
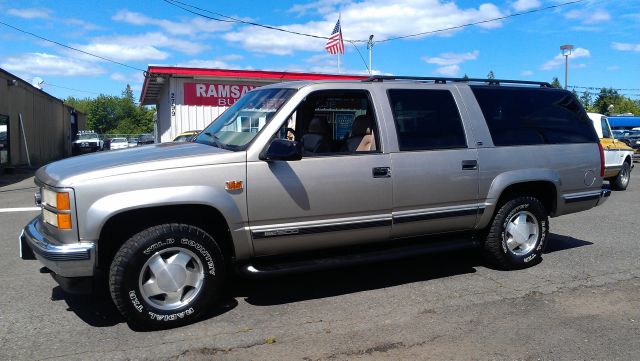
column 621, row 181
column 126, row 276
column 496, row 249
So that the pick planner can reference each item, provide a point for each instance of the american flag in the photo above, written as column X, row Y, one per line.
column 334, row 44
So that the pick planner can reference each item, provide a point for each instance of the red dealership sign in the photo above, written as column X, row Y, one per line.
column 218, row 95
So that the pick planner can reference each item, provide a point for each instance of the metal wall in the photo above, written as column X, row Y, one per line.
column 47, row 122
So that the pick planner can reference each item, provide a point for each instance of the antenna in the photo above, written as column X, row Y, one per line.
column 37, row 82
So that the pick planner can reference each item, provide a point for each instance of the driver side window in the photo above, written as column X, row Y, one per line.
column 333, row 122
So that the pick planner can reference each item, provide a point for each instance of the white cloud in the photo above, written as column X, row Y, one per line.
column 141, row 47
column 192, row 27
column 82, row 24
column 450, row 62
column 451, row 58
column 221, row 62
column 133, row 78
column 558, row 60
column 589, row 16
column 526, row 73
column 613, row 68
column 626, row 47
column 380, row 17
column 43, row 64
column 524, row 5
column 30, row 13
column 449, row 70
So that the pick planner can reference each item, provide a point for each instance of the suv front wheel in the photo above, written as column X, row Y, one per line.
column 518, row 234
column 166, row 276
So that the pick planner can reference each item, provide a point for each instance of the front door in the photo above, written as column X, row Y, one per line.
column 338, row 194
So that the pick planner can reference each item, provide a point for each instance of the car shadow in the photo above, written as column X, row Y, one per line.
column 97, row 309
column 322, row 284
column 557, row 242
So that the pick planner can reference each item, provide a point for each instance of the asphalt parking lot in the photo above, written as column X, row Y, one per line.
column 581, row 302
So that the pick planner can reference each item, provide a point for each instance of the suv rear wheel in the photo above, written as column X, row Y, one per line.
column 166, row 276
column 518, row 234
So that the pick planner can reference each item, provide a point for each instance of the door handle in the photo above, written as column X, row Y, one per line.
column 381, row 172
column 469, row 164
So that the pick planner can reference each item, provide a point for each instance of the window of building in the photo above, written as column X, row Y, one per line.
column 528, row 116
column 426, row 119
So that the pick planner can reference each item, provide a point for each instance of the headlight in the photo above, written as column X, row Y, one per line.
column 56, row 209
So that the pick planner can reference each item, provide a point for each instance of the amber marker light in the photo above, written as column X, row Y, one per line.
column 62, row 201
column 233, row 185
column 64, row 221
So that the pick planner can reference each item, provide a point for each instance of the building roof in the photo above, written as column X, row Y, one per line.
column 152, row 87
column 28, row 85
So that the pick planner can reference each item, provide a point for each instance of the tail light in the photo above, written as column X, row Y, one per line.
column 601, row 159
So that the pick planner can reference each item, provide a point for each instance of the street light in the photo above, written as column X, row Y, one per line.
column 566, row 51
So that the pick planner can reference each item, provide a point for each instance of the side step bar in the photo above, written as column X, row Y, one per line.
column 266, row 268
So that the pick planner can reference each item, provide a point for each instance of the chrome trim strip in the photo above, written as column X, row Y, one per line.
column 333, row 225
column 582, row 196
column 437, row 213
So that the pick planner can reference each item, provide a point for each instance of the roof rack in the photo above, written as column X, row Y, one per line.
column 436, row 80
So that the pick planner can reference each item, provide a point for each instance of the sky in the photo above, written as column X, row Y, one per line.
column 605, row 33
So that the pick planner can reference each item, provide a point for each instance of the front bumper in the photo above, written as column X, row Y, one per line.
column 65, row 260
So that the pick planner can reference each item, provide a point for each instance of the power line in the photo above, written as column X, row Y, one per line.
column 602, row 87
column 70, row 47
column 77, row 90
column 185, row 6
column 482, row 22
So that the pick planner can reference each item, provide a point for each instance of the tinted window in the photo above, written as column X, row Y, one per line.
column 525, row 116
column 426, row 119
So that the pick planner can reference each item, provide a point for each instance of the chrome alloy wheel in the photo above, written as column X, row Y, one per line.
column 624, row 176
column 171, row 278
column 521, row 233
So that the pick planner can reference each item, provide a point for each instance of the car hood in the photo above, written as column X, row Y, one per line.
column 71, row 171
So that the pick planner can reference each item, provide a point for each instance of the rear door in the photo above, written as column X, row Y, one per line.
column 435, row 171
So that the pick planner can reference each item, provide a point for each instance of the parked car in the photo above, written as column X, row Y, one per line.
column 309, row 175
column 119, row 143
column 618, row 155
column 632, row 139
column 133, row 142
column 146, row 139
column 87, row 142
column 186, row 136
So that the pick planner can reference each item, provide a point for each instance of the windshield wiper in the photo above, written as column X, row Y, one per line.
column 215, row 140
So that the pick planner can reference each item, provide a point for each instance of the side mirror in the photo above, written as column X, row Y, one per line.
column 282, row 149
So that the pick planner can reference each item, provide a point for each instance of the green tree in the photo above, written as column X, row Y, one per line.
column 586, row 100
column 465, row 77
column 81, row 105
column 556, row 83
column 491, row 75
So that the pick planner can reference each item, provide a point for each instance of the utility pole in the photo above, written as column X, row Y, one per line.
column 566, row 51
column 370, row 48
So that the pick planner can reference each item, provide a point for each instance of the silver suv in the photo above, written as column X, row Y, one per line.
column 308, row 175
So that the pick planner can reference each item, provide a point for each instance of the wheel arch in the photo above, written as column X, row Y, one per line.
column 122, row 225
column 540, row 183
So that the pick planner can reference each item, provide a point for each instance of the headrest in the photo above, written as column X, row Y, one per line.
column 361, row 126
column 318, row 126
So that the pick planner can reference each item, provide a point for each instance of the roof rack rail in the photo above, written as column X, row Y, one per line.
column 437, row 80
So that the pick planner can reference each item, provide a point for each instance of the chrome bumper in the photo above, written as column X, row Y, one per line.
column 66, row 260
column 604, row 195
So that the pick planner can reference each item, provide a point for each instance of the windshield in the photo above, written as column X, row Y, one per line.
column 237, row 126
column 118, row 140
column 88, row 136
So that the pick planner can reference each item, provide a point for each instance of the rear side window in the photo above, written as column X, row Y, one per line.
column 529, row 116
column 426, row 119
column 605, row 128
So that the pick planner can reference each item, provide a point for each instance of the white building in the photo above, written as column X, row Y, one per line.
column 191, row 98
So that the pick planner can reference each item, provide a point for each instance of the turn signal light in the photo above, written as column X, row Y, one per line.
column 64, row 221
column 62, row 201
column 233, row 185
